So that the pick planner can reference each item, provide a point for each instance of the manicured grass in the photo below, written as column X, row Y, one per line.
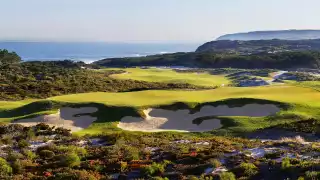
column 170, row 76
column 285, row 93
column 308, row 84
column 304, row 104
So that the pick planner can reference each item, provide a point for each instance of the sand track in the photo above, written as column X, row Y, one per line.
column 167, row 120
column 69, row 118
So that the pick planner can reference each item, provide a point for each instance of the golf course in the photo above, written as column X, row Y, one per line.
column 71, row 120
column 289, row 102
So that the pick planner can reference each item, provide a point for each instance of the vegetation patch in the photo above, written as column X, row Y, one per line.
column 170, row 76
column 24, row 80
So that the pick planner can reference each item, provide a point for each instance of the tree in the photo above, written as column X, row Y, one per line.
column 7, row 58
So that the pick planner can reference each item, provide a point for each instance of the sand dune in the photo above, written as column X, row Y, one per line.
column 69, row 118
column 181, row 120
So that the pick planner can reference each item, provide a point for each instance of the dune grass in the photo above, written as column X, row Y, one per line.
column 171, row 76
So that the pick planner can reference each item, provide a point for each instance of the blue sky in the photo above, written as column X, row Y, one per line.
column 150, row 20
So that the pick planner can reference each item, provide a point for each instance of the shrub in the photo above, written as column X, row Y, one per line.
column 248, row 169
column 154, row 168
column 273, row 155
column 72, row 149
column 6, row 139
column 159, row 178
column 74, row 175
column 29, row 154
column 42, row 126
column 5, row 168
column 30, row 134
column 17, row 167
column 51, row 147
column 227, row 176
column 285, row 164
column 215, row 163
column 130, row 153
column 46, row 154
column 313, row 175
column 13, row 156
column 62, row 131
column 193, row 178
column 23, row 143
column 69, row 160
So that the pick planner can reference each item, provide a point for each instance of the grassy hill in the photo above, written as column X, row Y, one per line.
column 282, row 60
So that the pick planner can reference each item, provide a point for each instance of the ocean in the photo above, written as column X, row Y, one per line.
column 89, row 52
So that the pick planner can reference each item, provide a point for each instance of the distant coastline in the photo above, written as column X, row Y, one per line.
column 90, row 51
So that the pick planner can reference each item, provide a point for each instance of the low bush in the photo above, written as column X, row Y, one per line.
column 69, row 160
column 285, row 164
column 227, row 176
column 248, row 169
column 5, row 168
column 17, row 167
column 23, row 143
column 46, row 154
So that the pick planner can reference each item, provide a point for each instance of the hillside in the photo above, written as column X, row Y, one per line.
column 23, row 80
column 283, row 60
column 267, row 35
column 259, row 46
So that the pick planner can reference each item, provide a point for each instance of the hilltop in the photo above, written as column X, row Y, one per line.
column 267, row 35
column 259, row 46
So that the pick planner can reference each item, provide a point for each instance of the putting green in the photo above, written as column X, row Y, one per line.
column 171, row 76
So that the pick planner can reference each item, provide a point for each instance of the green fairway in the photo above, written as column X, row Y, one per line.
column 304, row 103
column 171, row 76
column 287, row 94
column 308, row 84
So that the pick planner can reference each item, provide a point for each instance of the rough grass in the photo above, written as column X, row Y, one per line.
column 171, row 76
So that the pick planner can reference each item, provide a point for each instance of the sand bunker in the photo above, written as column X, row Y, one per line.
column 166, row 120
column 69, row 118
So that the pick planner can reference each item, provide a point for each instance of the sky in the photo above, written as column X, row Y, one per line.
column 150, row 20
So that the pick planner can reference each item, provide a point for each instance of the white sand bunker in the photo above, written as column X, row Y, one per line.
column 181, row 120
column 69, row 118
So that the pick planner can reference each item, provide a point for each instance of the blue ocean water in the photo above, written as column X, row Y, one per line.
column 89, row 52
